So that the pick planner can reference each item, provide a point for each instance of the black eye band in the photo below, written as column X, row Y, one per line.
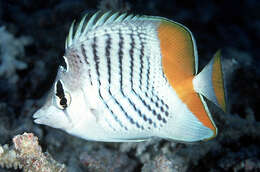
column 60, row 93
column 63, row 102
column 63, row 63
column 59, row 90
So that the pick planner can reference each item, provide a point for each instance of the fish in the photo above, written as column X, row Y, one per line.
column 130, row 78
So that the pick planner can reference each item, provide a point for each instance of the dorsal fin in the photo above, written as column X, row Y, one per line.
column 97, row 19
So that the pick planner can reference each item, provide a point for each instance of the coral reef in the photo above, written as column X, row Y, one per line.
column 106, row 160
column 161, row 163
column 10, row 50
column 8, row 158
column 29, row 68
column 27, row 154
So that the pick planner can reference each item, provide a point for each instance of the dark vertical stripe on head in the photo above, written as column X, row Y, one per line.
column 83, row 51
column 78, row 58
column 94, row 48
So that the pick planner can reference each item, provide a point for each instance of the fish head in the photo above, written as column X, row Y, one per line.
column 65, row 105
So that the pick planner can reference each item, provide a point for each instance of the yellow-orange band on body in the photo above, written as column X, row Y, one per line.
column 188, row 96
column 178, row 64
column 177, row 51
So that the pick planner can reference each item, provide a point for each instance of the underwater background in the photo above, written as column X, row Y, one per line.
column 32, row 38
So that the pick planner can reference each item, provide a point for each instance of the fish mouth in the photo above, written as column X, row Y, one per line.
column 39, row 117
column 52, row 118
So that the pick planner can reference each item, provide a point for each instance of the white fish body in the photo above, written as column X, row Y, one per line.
column 130, row 78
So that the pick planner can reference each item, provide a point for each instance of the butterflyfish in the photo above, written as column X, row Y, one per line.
column 129, row 78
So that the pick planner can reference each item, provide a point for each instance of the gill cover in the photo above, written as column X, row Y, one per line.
column 54, row 113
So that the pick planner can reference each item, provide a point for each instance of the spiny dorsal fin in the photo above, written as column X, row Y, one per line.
column 97, row 19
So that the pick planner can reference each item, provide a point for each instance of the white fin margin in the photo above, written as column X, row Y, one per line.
column 208, row 112
column 97, row 19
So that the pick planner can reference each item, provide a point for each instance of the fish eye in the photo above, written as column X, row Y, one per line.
column 63, row 98
column 63, row 102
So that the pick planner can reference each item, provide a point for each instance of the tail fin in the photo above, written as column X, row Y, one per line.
column 209, row 82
